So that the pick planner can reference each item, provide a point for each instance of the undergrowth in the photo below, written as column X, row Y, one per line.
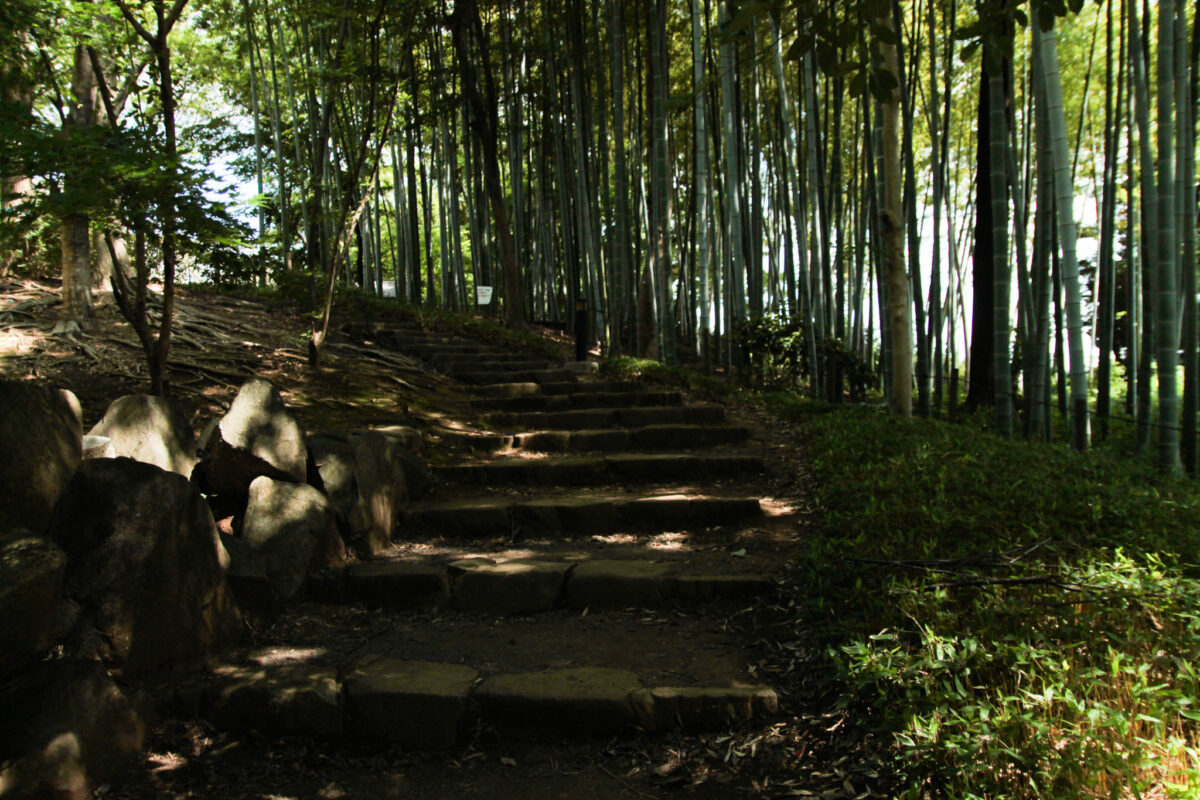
column 627, row 368
column 1019, row 620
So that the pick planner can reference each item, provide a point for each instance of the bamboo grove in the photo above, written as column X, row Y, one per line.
column 991, row 202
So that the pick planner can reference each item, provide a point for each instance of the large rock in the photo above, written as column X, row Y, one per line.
column 369, row 476
column 40, row 448
column 258, row 436
column 149, row 429
column 289, row 532
column 31, row 578
column 145, row 578
column 382, row 488
column 67, row 728
column 332, row 455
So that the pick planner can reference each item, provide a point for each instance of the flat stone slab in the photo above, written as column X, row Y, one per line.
column 558, row 472
column 709, row 587
column 673, row 466
column 504, row 374
column 486, row 442
column 579, row 399
column 684, row 436
column 416, row 703
column 578, row 700
column 492, row 364
column 701, row 708
column 394, row 583
column 580, row 514
column 593, row 470
column 575, row 514
column 610, row 417
column 298, row 699
column 650, row 437
column 612, row 583
column 511, row 587
column 474, row 517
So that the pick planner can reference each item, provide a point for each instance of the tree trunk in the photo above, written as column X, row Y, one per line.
column 75, row 239
column 1046, row 49
column 891, row 220
column 466, row 28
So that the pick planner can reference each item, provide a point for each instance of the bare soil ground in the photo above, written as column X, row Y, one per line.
column 810, row 750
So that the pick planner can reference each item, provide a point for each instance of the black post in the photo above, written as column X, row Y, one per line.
column 581, row 329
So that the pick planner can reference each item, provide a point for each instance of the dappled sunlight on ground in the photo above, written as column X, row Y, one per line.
column 165, row 762
column 274, row 656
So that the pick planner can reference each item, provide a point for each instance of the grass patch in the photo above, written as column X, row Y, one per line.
column 699, row 385
column 1015, row 620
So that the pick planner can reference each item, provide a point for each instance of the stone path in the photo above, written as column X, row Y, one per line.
column 599, row 526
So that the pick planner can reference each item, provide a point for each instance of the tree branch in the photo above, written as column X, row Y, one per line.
column 130, row 84
column 105, row 94
column 137, row 25
column 58, row 97
column 173, row 17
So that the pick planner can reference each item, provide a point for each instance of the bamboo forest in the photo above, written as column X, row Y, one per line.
column 929, row 187
column 814, row 382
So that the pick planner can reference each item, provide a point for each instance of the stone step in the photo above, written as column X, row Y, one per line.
column 530, row 375
column 409, row 340
column 474, row 359
column 434, row 705
column 608, row 440
column 579, row 399
column 618, row 468
column 485, row 364
column 527, row 586
column 597, row 418
column 438, row 349
column 659, row 437
column 568, row 386
column 588, row 513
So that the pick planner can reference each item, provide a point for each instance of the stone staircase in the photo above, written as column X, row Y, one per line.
column 572, row 574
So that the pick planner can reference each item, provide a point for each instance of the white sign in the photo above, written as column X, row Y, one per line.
column 483, row 295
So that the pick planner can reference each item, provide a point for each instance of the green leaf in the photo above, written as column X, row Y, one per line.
column 826, row 57
column 858, row 84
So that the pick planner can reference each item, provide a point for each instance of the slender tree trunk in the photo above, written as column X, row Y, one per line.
column 1150, row 219
column 998, row 195
column 1046, row 49
column 981, row 381
column 466, row 28
column 660, row 183
column 899, row 305
column 76, row 241
column 1167, row 255
column 1186, row 100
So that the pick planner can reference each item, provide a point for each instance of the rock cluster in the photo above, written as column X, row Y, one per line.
column 116, row 567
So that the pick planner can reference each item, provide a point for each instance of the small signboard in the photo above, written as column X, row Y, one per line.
column 483, row 295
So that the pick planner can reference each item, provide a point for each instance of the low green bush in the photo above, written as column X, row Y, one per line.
column 707, row 387
column 1015, row 620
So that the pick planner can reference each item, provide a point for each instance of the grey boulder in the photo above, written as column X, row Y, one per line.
column 149, row 429
column 145, row 576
